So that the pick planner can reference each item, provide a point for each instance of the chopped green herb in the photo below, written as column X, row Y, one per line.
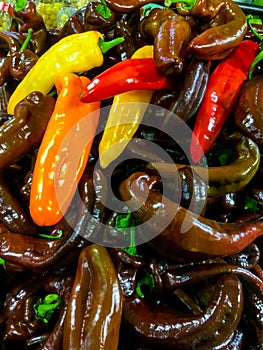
column 103, row 10
column 58, row 235
column 125, row 224
column 187, row 4
column 45, row 307
column 147, row 281
column 2, row 263
column 251, row 204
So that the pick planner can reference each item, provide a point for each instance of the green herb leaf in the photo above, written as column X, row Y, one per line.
column 125, row 224
column 257, row 2
column 44, row 308
column 20, row 5
column 187, row 4
column 103, row 10
column 2, row 262
column 251, row 204
column 147, row 281
column 58, row 235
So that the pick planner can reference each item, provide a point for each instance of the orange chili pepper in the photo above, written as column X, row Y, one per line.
column 64, row 152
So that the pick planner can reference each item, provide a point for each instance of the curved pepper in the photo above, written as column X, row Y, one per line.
column 75, row 53
column 248, row 110
column 181, row 233
column 58, row 166
column 227, row 178
column 132, row 74
column 171, row 34
column 125, row 115
column 224, row 24
column 222, row 92
column 95, row 307
column 22, row 133
column 206, row 330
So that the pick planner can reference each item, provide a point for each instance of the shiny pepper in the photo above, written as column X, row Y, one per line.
column 63, row 152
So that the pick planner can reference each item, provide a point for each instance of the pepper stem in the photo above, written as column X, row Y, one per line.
column 258, row 58
column 186, row 4
column 20, row 5
column 107, row 45
column 146, row 9
column 25, row 43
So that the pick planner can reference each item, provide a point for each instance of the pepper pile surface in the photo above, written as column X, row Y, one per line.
column 131, row 178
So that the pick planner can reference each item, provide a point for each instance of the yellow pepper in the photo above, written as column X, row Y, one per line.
column 124, row 118
column 73, row 54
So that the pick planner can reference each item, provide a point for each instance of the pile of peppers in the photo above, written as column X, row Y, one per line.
column 88, row 259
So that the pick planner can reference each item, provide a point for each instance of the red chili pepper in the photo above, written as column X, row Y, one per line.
column 222, row 91
column 131, row 74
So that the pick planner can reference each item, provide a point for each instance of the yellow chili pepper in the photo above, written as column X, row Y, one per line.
column 63, row 153
column 74, row 53
column 124, row 118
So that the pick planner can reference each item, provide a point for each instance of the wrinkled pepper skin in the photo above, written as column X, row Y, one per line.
column 25, row 131
column 248, row 110
column 203, row 331
column 224, row 24
column 21, row 62
column 95, row 306
column 12, row 215
column 180, row 233
column 69, row 55
column 171, row 34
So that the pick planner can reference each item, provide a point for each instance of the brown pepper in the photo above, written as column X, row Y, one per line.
column 95, row 307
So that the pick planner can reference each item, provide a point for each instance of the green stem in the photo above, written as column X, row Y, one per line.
column 25, row 43
column 107, row 45
column 187, row 4
column 258, row 58
column 251, row 20
column 146, row 9
column 20, row 5
column 58, row 235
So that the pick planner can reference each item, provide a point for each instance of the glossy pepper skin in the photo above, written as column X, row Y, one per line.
column 224, row 26
column 24, row 132
column 128, row 107
column 12, row 214
column 171, row 34
column 227, row 178
column 221, row 94
column 131, row 74
column 208, row 329
column 181, row 233
column 61, row 157
column 69, row 55
column 248, row 110
column 95, row 306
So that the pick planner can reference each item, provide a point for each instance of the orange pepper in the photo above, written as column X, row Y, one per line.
column 64, row 151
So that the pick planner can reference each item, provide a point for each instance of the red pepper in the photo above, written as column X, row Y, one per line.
column 222, row 91
column 131, row 74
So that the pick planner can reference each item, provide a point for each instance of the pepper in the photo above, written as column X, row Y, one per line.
column 69, row 55
column 221, row 94
column 180, row 233
column 171, row 34
column 59, row 164
column 226, row 178
column 136, row 74
column 12, row 214
column 21, row 62
column 248, row 111
column 224, row 26
column 208, row 329
column 22, row 133
column 95, row 307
